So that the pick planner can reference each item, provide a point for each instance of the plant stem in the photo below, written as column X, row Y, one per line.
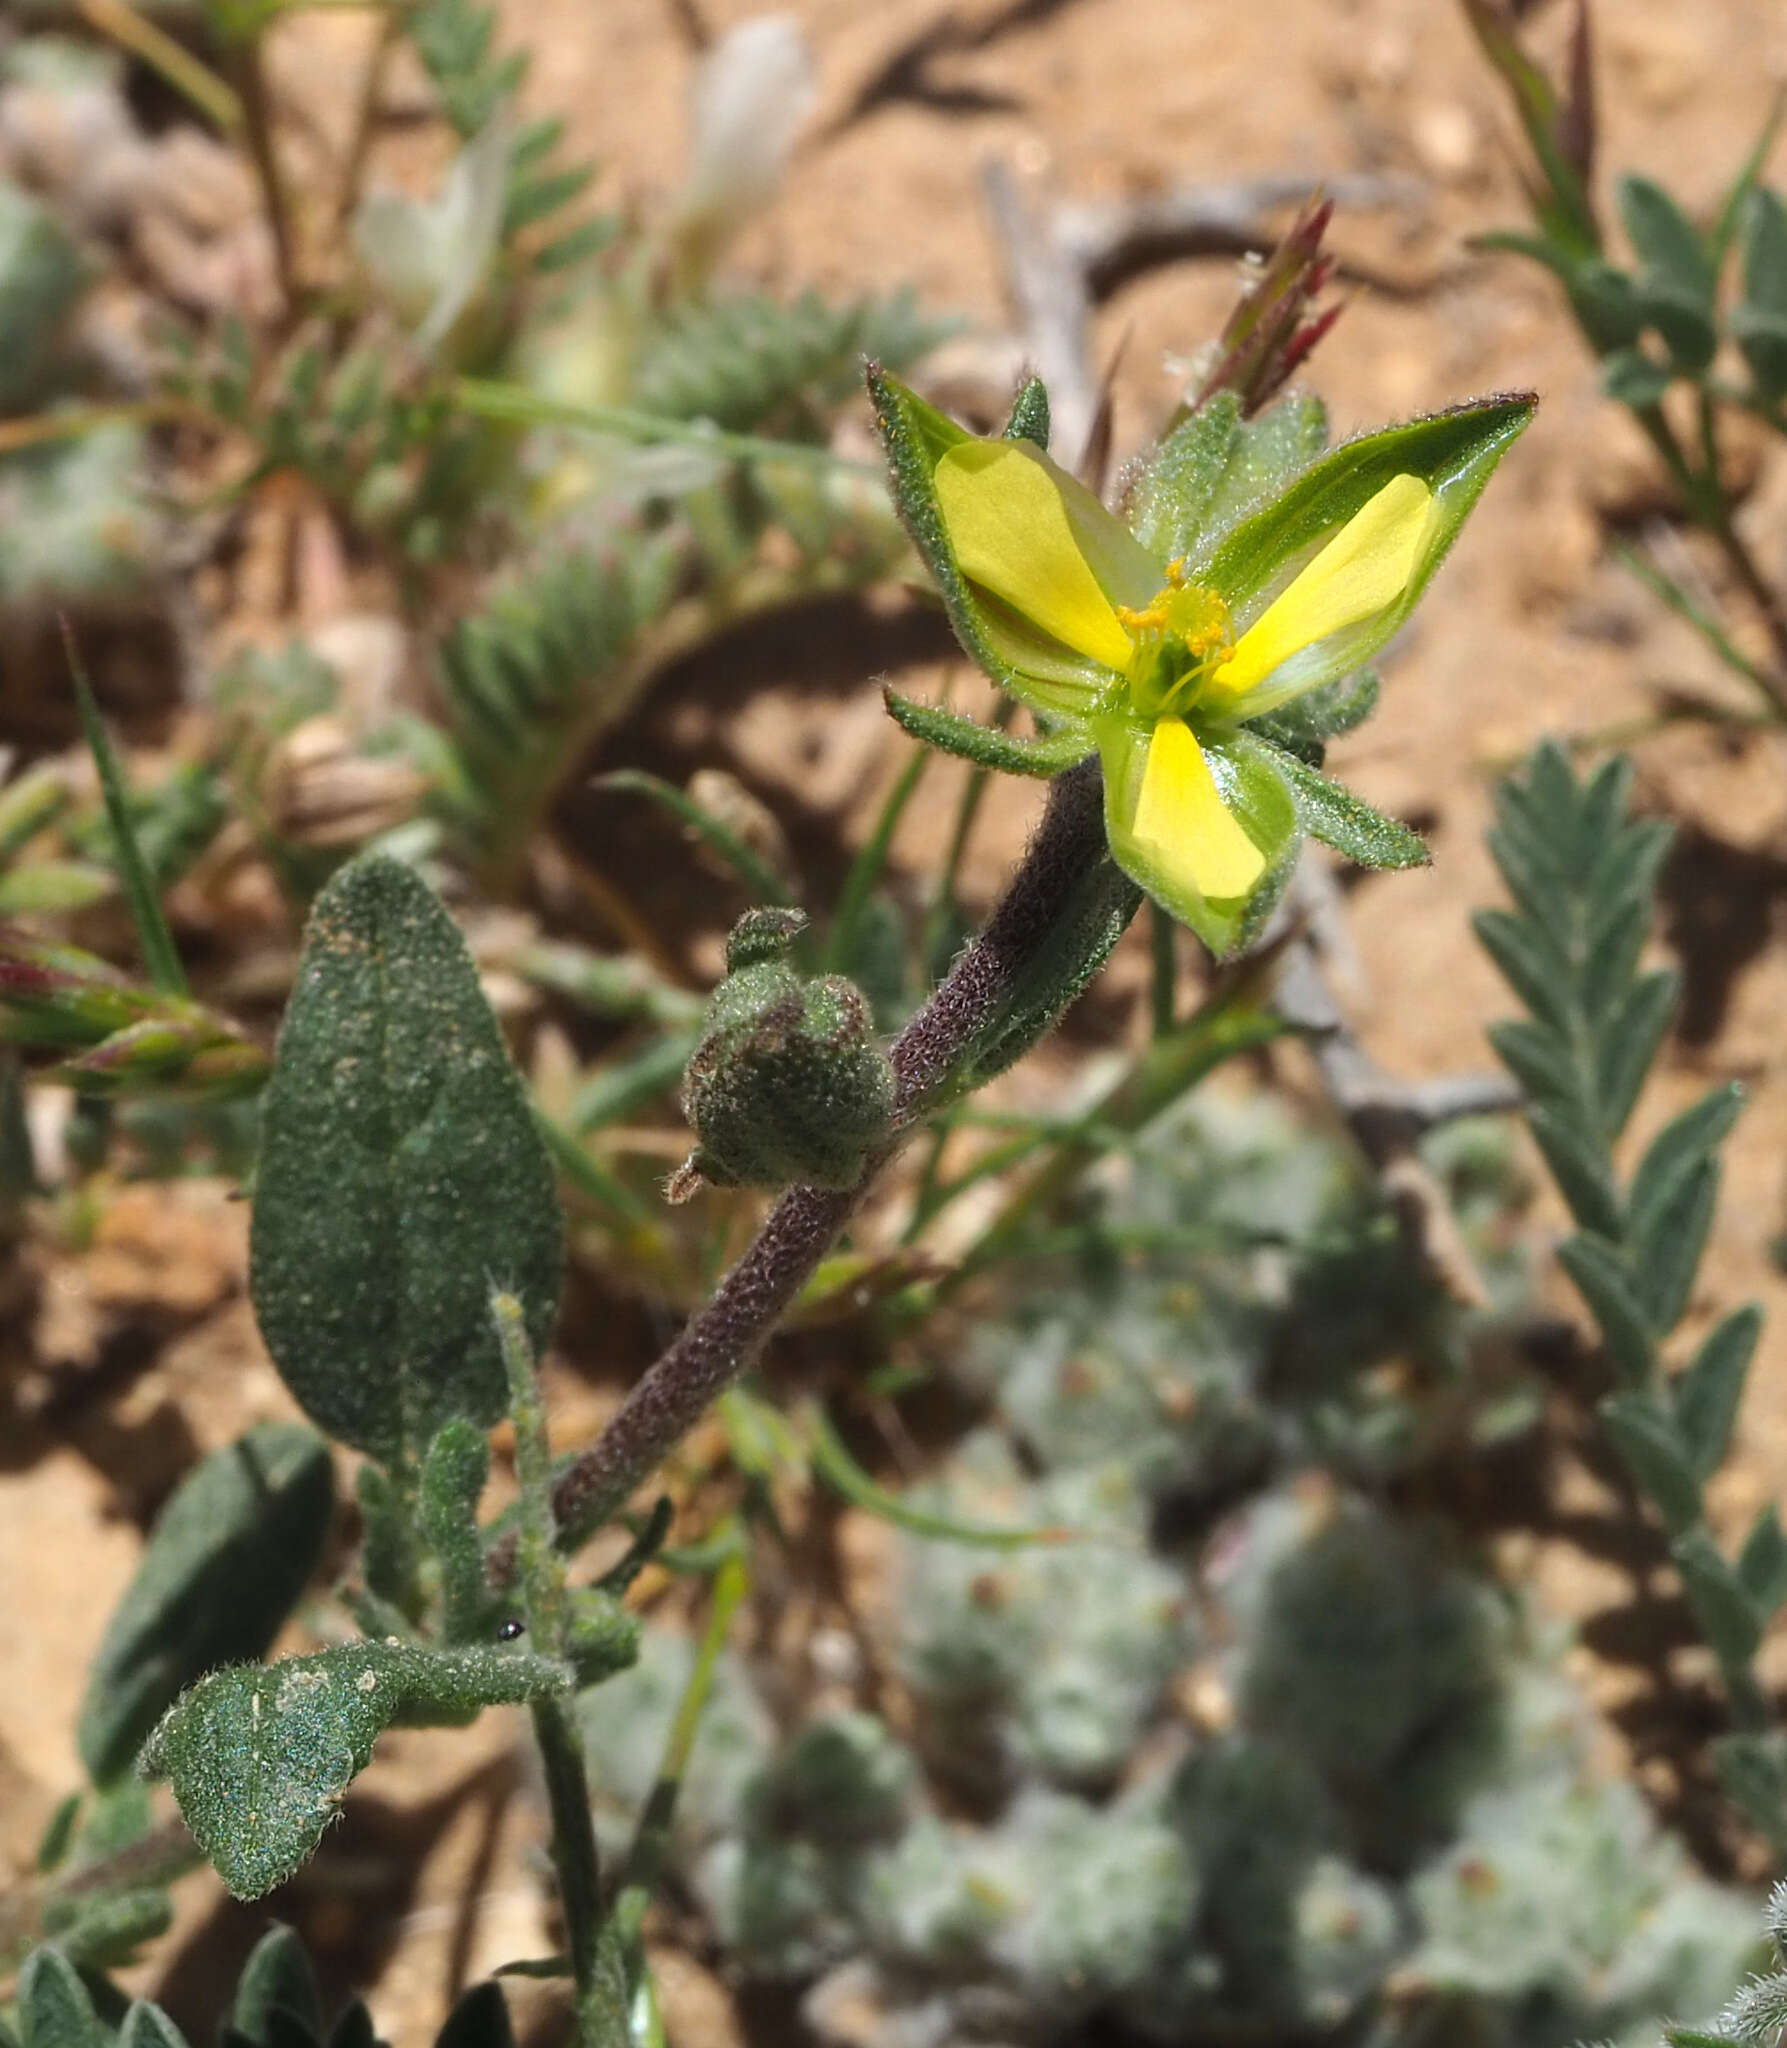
column 541, row 1571
column 724, row 1337
column 251, row 85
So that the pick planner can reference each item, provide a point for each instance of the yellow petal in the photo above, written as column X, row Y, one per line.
column 1366, row 566
column 1015, row 532
column 1183, row 823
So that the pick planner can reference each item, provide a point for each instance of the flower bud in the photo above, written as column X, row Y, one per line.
column 787, row 1083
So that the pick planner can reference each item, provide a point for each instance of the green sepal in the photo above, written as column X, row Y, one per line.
column 1306, row 724
column 1029, row 419
column 453, row 1478
column 985, row 745
column 1248, row 780
column 1047, row 677
column 278, row 1983
column 260, row 1756
column 400, row 1174
column 1340, row 819
column 1453, row 453
column 55, row 2008
column 228, row 1557
column 1214, row 469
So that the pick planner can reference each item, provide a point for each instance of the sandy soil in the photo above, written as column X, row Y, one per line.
column 1531, row 629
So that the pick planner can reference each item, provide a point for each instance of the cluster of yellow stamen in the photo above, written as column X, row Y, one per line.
column 1179, row 636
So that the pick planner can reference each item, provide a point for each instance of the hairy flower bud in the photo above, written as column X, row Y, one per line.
column 787, row 1083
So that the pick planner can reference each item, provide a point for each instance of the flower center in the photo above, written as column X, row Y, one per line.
column 1178, row 638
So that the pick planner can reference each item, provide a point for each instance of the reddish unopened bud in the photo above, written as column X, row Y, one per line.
column 1273, row 329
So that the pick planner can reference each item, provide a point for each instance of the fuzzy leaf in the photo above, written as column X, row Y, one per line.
column 1580, row 1168
column 1029, row 419
column 1627, row 1043
column 1540, row 1061
column 147, row 2026
column 1530, row 964
column 1708, row 1390
column 453, row 1476
column 261, row 1755
column 1666, row 1253
column 1606, row 1285
column 55, row 2010
column 1653, row 1450
column 1753, row 1771
column 401, row 1176
column 277, row 1983
column 229, row 1555
column 1726, row 1612
column 1762, row 1563
column 985, row 745
column 1347, row 822
column 1215, row 468
column 1683, row 1145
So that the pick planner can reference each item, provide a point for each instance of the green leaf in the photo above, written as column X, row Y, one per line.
column 479, row 2019
column 1629, row 377
column 147, row 2026
column 1667, row 242
column 55, row 2009
column 1580, row 1168
column 1627, row 1043
column 453, row 1477
column 277, row 1982
column 261, row 1755
column 1347, row 822
column 1614, row 944
column 228, row 1557
column 1742, row 193
column 1724, row 1608
column 1762, row 1563
column 105, row 1931
column 1605, row 1283
column 985, row 745
column 1531, row 964
column 1707, row 1391
column 1683, row 1144
column 1760, row 322
column 160, row 955
column 1753, row 1771
column 1305, row 724
column 1666, row 1255
column 1540, row 1061
column 761, row 880
column 400, row 1176
column 1653, row 1450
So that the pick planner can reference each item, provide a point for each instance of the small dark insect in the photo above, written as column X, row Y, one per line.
column 510, row 1630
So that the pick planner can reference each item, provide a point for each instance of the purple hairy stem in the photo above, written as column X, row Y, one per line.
column 722, row 1339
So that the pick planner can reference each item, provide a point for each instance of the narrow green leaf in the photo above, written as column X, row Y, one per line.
column 1540, row 1061
column 834, row 1464
column 616, row 1091
column 229, row 1555
column 1540, row 895
column 761, row 881
column 1614, row 944
column 1654, row 1453
column 55, row 2009
column 1683, row 1144
column 453, row 1477
column 1666, row 1254
column 160, row 955
column 1760, row 323
column 479, row 2019
column 1685, row 606
column 576, row 245
column 1605, row 1284
column 1667, row 242
column 1628, row 1040
column 1580, row 1168
column 532, row 199
column 147, row 2026
column 1347, row 822
column 1753, row 1771
column 1530, row 964
column 1707, row 1391
column 1629, row 377
column 277, row 1984
column 400, row 1175
column 985, row 746
column 1624, row 865
column 105, row 1931
column 1739, row 199
column 1724, row 1608
column 1762, row 1563
column 261, row 1755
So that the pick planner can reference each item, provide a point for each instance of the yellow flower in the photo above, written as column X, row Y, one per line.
column 1162, row 656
